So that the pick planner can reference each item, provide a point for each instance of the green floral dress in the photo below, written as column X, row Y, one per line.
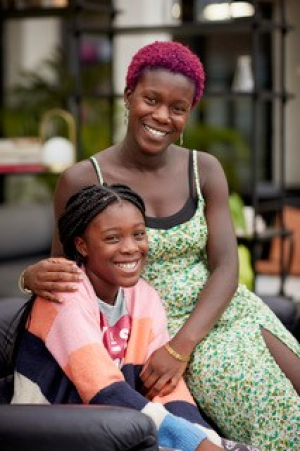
column 231, row 374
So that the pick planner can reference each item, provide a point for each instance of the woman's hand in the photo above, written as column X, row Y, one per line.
column 52, row 275
column 161, row 373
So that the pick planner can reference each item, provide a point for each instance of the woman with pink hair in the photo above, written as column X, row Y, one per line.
column 240, row 363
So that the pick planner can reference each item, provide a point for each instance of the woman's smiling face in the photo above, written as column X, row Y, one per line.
column 159, row 108
column 115, row 246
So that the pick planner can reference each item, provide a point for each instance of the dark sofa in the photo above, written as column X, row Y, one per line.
column 76, row 428
column 63, row 427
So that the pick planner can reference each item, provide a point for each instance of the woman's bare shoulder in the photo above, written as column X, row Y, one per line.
column 211, row 171
column 79, row 174
column 207, row 160
column 74, row 178
column 83, row 172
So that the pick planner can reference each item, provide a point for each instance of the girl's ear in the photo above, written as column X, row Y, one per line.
column 81, row 246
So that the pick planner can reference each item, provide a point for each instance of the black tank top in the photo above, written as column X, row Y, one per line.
column 181, row 216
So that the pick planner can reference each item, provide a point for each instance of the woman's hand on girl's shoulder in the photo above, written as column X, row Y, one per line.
column 52, row 275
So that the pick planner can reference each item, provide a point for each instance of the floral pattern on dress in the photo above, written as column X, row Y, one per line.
column 251, row 403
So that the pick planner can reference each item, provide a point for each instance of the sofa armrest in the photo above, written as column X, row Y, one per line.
column 9, row 308
column 75, row 427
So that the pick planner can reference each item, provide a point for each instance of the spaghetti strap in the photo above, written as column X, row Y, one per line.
column 97, row 169
column 196, row 174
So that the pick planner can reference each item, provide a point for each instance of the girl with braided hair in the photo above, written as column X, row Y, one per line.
column 239, row 361
column 90, row 347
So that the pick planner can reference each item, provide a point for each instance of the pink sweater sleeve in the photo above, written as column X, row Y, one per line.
column 71, row 332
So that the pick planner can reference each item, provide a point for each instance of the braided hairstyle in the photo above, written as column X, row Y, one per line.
column 84, row 205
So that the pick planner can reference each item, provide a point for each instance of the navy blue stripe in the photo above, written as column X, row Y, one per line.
column 120, row 394
column 131, row 374
column 35, row 362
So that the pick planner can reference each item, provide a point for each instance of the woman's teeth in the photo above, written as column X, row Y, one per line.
column 154, row 132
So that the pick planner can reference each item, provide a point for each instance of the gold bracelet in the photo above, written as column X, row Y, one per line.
column 176, row 355
column 21, row 284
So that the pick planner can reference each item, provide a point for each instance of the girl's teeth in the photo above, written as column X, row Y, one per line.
column 130, row 265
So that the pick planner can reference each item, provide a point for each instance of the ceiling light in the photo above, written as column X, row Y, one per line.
column 209, row 10
column 240, row 9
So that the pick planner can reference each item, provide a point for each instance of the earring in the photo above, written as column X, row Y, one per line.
column 126, row 114
column 181, row 139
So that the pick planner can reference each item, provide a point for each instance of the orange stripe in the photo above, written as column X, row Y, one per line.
column 180, row 393
column 90, row 369
column 141, row 335
column 42, row 317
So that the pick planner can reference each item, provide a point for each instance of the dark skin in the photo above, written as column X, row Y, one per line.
column 149, row 162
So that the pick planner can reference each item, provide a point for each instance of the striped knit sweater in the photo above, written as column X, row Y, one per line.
column 68, row 354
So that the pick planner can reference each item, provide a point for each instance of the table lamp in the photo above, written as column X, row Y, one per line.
column 58, row 152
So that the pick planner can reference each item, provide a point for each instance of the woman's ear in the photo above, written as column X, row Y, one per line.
column 80, row 245
column 127, row 95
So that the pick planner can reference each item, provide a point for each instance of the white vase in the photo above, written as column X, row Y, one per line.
column 243, row 76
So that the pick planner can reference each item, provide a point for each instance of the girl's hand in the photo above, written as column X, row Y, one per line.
column 52, row 275
column 161, row 373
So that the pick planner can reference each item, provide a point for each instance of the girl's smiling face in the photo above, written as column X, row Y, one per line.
column 115, row 246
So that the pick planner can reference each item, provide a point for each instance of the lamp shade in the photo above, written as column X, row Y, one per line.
column 58, row 153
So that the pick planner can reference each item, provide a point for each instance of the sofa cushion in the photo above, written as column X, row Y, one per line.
column 75, row 427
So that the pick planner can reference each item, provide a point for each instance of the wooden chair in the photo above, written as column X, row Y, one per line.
column 284, row 306
column 291, row 248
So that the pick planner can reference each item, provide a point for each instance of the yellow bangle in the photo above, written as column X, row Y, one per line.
column 176, row 355
column 21, row 284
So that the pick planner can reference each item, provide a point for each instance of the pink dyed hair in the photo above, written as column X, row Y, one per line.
column 169, row 55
